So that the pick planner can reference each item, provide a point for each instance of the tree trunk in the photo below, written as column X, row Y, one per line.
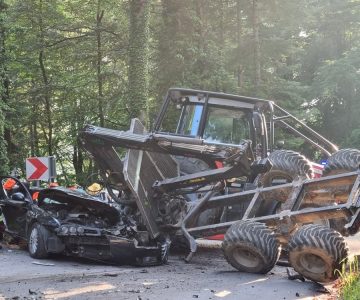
column 33, row 127
column 256, row 39
column 99, row 16
column 240, row 68
column 4, row 92
column 169, row 70
column 138, row 58
column 78, row 161
column 201, row 31
column 46, row 94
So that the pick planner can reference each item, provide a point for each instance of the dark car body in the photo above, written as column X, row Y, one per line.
column 77, row 224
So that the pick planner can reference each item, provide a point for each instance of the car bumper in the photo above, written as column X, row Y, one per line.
column 117, row 250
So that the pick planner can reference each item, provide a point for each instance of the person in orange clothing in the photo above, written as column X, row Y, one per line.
column 35, row 196
column 9, row 184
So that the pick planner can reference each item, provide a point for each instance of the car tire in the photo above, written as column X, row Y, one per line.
column 36, row 241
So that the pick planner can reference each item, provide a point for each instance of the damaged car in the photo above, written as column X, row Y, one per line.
column 73, row 223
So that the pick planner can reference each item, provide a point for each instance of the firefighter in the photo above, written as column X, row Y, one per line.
column 53, row 184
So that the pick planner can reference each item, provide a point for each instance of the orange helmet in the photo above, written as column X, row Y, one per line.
column 9, row 184
column 53, row 184
column 35, row 196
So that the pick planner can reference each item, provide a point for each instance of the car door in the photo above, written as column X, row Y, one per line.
column 14, row 208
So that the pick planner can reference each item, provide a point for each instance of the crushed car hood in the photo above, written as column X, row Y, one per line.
column 75, row 198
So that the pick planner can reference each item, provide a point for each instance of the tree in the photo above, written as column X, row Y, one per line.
column 4, row 90
column 138, row 57
column 69, row 63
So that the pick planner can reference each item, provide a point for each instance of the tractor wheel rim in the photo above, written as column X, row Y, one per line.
column 34, row 239
column 246, row 258
column 313, row 263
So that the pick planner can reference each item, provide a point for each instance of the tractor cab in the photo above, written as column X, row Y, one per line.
column 226, row 119
column 215, row 118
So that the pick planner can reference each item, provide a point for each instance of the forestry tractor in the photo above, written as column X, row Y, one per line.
column 210, row 166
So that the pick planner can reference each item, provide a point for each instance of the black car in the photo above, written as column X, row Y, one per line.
column 77, row 224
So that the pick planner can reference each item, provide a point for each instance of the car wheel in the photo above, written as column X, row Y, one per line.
column 36, row 241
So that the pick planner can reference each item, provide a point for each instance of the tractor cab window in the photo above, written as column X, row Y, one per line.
column 190, row 120
column 226, row 126
column 182, row 119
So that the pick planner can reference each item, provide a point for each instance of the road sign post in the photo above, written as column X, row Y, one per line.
column 40, row 168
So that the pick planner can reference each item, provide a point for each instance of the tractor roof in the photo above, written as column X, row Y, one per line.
column 179, row 92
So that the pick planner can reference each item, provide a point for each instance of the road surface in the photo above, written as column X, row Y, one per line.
column 208, row 276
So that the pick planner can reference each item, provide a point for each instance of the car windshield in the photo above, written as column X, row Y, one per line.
column 226, row 126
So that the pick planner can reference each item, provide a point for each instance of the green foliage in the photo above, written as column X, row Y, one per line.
column 352, row 289
column 336, row 86
column 74, row 62
column 138, row 56
column 4, row 161
column 350, row 280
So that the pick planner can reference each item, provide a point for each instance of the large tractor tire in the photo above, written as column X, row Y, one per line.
column 342, row 161
column 190, row 165
column 345, row 160
column 287, row 165
column 251, row 247
column 316, row 252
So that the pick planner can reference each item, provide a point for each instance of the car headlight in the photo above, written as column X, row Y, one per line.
column 72, row 230
column 80, row 230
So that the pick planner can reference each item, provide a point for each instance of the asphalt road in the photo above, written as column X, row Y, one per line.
column 208, row 276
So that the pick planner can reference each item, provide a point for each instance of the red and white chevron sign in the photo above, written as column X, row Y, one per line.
column 38, row 168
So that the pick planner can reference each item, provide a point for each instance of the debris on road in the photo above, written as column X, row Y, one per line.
column 43, row 264
column 292, row 276
column 111, row 274
column 32, row 292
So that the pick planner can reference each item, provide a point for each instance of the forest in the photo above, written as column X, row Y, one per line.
column 67, row 63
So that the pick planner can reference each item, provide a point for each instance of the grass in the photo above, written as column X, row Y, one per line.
column 350, row 280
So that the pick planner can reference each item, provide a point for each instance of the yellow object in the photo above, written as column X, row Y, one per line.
column 94, row 189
